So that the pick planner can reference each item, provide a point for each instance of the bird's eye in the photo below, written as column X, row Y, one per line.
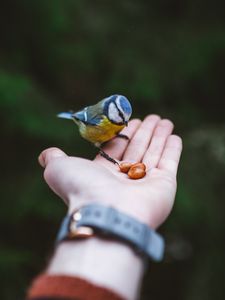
column 121, row 115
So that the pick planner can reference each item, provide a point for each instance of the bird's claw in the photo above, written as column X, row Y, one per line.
column 123, row 136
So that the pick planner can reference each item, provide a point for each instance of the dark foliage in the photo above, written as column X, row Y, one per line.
column 168, row 57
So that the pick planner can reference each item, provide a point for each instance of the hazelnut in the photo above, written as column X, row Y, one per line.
column 136, row 172
column 139, row 165
column 125, row 167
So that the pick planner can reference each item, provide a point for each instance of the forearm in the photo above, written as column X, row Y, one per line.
column 106, row 263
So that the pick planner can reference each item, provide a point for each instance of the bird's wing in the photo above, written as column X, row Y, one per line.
column 91, row 115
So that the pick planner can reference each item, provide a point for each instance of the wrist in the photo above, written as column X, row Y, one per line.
column 106, row 221
column 102, row 262
column 145, row 212
column 106, row 258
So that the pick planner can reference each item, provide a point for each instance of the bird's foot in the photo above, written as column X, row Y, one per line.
column 123, row 136
column 106, row 156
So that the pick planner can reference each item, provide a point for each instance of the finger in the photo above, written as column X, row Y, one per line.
column 140, row 141
column 116, row 147
column 152, row 156
column 49, row 154
column 171, row 154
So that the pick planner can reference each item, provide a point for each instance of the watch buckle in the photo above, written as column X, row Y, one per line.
column 79, row 232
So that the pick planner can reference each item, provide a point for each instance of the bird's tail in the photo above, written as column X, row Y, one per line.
column 66, row 115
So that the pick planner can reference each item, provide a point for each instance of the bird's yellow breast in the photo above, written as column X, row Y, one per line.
column 100, row 133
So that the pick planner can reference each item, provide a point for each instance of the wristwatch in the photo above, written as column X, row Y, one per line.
column 106, row 221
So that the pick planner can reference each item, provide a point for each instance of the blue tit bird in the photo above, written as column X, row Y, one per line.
column 103, row 121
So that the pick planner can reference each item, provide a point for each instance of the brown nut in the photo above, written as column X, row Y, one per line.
column 139, row 165
column 136, row 173
column 125, row 167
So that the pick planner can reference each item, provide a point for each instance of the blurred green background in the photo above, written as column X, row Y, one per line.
column 167, row 57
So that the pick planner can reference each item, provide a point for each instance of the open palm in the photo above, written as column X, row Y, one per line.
column 150, row 199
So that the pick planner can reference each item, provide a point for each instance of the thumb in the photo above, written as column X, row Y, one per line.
column 50, row 154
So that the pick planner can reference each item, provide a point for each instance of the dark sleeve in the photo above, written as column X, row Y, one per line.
column 61, row 287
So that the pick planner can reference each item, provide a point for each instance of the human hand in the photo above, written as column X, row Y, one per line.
column 80, row 181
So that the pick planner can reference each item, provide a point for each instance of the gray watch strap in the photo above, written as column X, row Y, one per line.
column 109, row 221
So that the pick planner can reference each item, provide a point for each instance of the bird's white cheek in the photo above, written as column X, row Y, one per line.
column 114, row 114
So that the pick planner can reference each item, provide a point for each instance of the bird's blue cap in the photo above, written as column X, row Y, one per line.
column 124, row 103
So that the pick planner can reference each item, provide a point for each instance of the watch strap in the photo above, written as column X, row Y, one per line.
column 107, row 221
